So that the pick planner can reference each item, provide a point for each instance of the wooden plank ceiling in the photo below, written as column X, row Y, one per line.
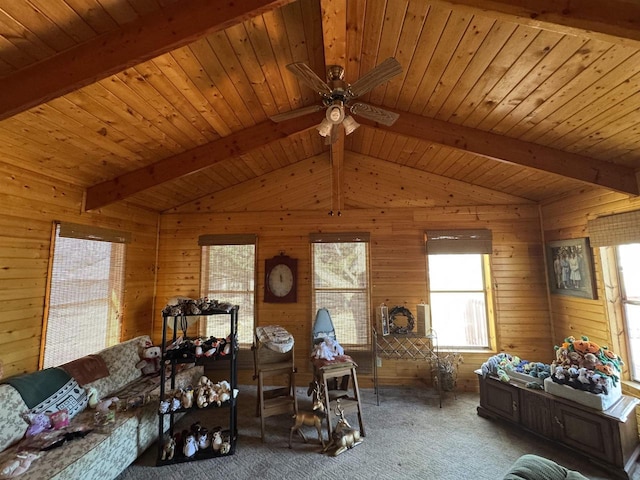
column 162, row 102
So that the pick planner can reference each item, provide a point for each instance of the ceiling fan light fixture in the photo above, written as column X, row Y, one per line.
column 325, row 127
column 335, row 113
column 350, row 125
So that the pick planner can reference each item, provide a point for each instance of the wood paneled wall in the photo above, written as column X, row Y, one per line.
column 30, row 204
column 398, row 263
column 567, row 218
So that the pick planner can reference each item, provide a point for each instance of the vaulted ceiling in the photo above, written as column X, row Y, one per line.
column 161, row 102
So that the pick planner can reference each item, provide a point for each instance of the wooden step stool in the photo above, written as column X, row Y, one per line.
column 344, row 376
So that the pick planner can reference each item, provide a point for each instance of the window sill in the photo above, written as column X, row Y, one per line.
column 631, row 388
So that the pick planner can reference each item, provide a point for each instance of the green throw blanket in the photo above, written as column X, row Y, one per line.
column 38, row 386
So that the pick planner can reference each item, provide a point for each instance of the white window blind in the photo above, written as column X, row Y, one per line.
column 228, row 269
column 341, row 285
column 86, row 289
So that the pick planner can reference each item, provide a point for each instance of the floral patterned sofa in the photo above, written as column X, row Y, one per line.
column 105, row 451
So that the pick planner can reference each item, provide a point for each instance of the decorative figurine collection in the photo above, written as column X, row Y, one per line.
column 196, row 439
column 205, row 393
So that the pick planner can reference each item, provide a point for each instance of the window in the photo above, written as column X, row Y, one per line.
column 458, row 270
column 617, row 236
column 228, row 266
column 627, row 256
column 341, row 285
column 86, row 288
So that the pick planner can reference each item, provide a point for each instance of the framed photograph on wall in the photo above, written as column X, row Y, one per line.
column 570, row 268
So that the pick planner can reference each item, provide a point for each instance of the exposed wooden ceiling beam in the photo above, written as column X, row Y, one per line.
column 616, row 21
column 191, row 161
column 334, row 31
column 176, row 25
column 510, row 150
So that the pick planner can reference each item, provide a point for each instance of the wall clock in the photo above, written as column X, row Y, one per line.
column 281, row 279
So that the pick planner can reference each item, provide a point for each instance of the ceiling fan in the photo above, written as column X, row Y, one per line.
column 337, row 96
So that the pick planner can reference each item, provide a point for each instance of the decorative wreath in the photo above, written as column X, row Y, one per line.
column 404, row 312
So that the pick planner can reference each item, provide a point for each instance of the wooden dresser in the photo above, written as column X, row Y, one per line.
column 608, row 438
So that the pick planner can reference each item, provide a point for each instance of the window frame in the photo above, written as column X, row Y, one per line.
column 616, row 311
column 460, row 241
column 488, row 296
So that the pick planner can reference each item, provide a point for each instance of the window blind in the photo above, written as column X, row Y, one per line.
column 86, row 290
column 88, row 232
column 228, row 273
column 339, row 237
column 227, row 239
column 458, row 241
column 618, row 229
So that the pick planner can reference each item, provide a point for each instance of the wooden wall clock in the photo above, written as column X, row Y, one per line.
column 281, row 279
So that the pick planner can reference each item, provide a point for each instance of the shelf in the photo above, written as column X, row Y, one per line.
column 187, row 355
column 213, row 406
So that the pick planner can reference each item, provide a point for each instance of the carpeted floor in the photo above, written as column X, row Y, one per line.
column 408, row 437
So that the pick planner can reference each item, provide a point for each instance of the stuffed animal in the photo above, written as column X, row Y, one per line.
column 168, row 449
column 150, row 356
column 190, row 446
column 38, row 423
column 104, row 405
column 17, row 466
column 328, row 349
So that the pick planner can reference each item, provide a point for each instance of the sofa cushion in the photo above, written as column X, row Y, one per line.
column 13, row 426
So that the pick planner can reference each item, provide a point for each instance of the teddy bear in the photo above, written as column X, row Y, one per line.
column 150, row 356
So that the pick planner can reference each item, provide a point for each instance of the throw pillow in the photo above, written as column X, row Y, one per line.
column 71, row 397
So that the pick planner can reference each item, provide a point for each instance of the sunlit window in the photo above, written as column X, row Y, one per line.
column 628, row 256
column 228, row 275
column 86, row 289
column 458, row 299
column 341, row 285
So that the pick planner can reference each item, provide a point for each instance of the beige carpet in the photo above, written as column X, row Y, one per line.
column 408, row 437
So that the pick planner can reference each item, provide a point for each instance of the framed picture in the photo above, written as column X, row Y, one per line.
column 383, row 313
column 570, row 268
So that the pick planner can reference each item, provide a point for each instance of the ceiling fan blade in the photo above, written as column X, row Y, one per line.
column 376, row 76
column 308, row 76
column 299, row 112
column 385, row 117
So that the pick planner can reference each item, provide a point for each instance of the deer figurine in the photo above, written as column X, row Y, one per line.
column 344, row 437
column 310, row 419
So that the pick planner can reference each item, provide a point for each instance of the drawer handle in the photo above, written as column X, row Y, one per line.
column 514, row 406
column 558, row 421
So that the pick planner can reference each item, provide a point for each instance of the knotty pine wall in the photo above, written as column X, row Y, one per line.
column 30, row 203
column 567, row 218
column 398, row 264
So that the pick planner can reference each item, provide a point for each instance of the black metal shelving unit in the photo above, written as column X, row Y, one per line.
column 232, row 431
